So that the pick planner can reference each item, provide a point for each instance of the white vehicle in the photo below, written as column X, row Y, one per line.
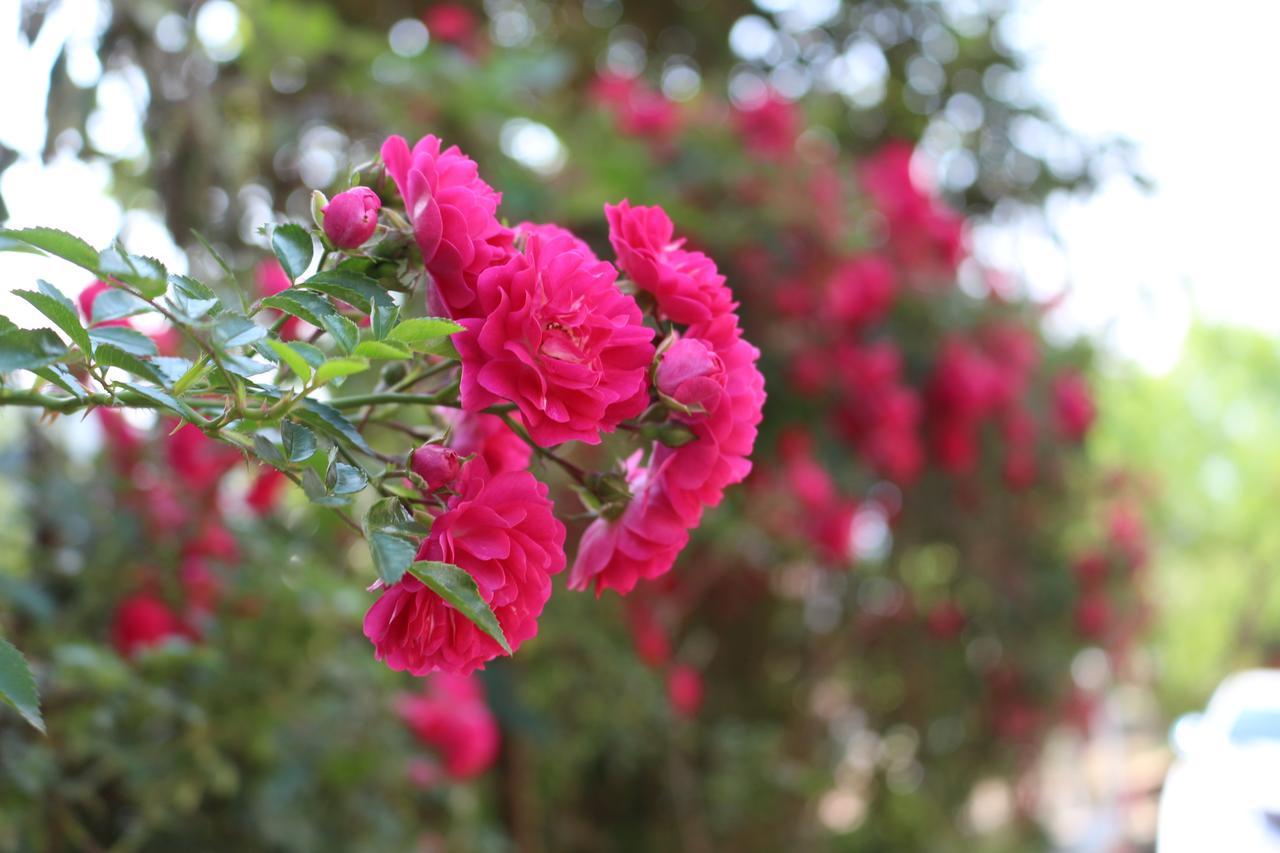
column 1222, row 793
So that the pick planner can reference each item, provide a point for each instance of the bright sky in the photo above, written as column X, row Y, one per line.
column 1190, row 83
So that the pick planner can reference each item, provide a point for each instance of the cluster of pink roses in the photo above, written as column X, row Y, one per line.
column 549, row 334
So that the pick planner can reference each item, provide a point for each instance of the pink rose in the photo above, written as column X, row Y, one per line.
column 861, row 291
column 924, row 234
column 351, row 217
column 559, row 340
column 454, row 216
column 769, row 127
column 502, row 532
column 144, row 621
column 451, row 715
column 436, row 464
column 686, row 285
column 549, row 231
column 691, row 374
column 490, row 439
column 264, row 493
column 1073, row 407
column 684, row 690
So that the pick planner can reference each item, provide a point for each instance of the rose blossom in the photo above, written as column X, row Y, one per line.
column 351, row 217
column 769, row 127
column 143, row 621
column 501, row 531
column 454, row 216
column 559, row 340
column 686, row 284
column 489, row 438
column 684, row 690
column 437, row 465
column 1073, row 407
column 691, row 374
column 548, row 231
column 451, row 715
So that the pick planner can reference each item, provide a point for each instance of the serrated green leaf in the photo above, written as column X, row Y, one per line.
column 336, row 367
column 244, row 367
column 146, row 274
column 436, row 346
column 383, row 319
column 344, row 332
column 417, row 329
column 301, row 304
column 27, row 349
column 292, row 245
column 236, row 330
column 18, row 685
column 344, row 479
column 109, row 355
column 116, row 305
column 171, row 368
column 392, row 554
column 128, row 340
column 381, row 350
column 299, row 442
column 332, row 423
column 268, row 452
column 359, row 290
column 60, row 376
column 316, row 492
column 291, row 357
column 312, row 353
column 59, row 243
column 191, row 299
column 164, row 399
column 61, row 311
column 459, row 591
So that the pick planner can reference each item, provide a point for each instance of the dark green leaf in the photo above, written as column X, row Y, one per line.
column 132, row 342
column 146, row 274
column 109, row 355
column 18, row 685
column 164, row 399
column 344, row 479
column 61, row 311
column 345, row 333
column 418, row 329
column 359, row 290
column 299, row 303
column 268, row 452
column 383, row 319
column 459, row 590
column 246, row 367
column 317, row 493
column 299, row 442
column 235, row 330
column 392, row 554
column 27, row 349
column 191, row 299
column 292, row 245
column 58, row 243
column 332, row 423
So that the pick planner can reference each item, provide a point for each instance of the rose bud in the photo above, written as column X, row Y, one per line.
column 436, row 464
column 691, row 375
column 351, row 217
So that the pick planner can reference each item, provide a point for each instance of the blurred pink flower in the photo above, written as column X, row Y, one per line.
column 684, row 690
column 1073, row 407
column 143, row 621
column 451, row 715
column 769, row 126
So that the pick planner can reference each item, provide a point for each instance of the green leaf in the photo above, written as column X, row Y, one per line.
column 345, row 333
column 60, row 376
column 116, row 305
column 246, row 367
column 418, row 329
column 164, row 399
column 392, row 554
column 27, row 349
column 59, row 243
column 383, row 319
column 381, row 350
column 236, row 330
column 53, row 304
column 268, row 452
column 459, row 590
column 344, row 479
column 292, row 245
column 291, row 357
column 332, row 423
column 191, row 299
column 336, row 367
column 109, row 355
column 198, row 371
column 132, row 342
column 312, row 353
column 18, row 685
column 359, row 290
column 317, row 493
column 306, row 306
column 437, row 346
column 299, row 442
column 171, row 368
column 146, row 274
